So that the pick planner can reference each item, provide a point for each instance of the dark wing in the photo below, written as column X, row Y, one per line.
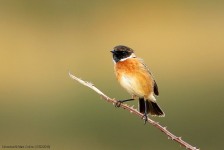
column 155, row 86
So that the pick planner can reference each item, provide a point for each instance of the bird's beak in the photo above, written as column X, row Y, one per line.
column 112, row 51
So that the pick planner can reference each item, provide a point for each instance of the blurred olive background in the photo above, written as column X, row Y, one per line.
column 182, row 42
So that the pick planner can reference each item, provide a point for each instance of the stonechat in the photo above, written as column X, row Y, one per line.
column 135, row 77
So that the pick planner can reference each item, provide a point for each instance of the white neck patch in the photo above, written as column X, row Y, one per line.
column 123, row 59
column 131, row 56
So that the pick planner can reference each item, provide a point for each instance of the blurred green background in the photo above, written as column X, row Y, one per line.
column 182, row 42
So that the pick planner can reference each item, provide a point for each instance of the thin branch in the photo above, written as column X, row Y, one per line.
column 135, row 111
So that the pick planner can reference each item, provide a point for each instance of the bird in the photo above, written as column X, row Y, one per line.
column 135, row 77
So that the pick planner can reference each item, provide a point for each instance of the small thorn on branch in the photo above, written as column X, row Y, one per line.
column 155, row 123
column 170, row 138
column 90, row 83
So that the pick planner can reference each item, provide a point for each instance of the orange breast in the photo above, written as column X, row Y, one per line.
column 134, row 77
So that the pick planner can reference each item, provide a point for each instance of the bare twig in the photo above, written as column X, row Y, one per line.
column 135, row 111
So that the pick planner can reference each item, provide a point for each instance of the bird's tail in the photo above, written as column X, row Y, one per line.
column 152, row 108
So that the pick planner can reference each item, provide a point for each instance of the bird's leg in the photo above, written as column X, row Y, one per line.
column 145, row 116
column 119, row 102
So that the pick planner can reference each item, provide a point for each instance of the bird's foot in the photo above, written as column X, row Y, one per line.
column 145, row 117
column 118, row 103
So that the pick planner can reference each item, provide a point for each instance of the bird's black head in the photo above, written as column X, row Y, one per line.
column 121, row 52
